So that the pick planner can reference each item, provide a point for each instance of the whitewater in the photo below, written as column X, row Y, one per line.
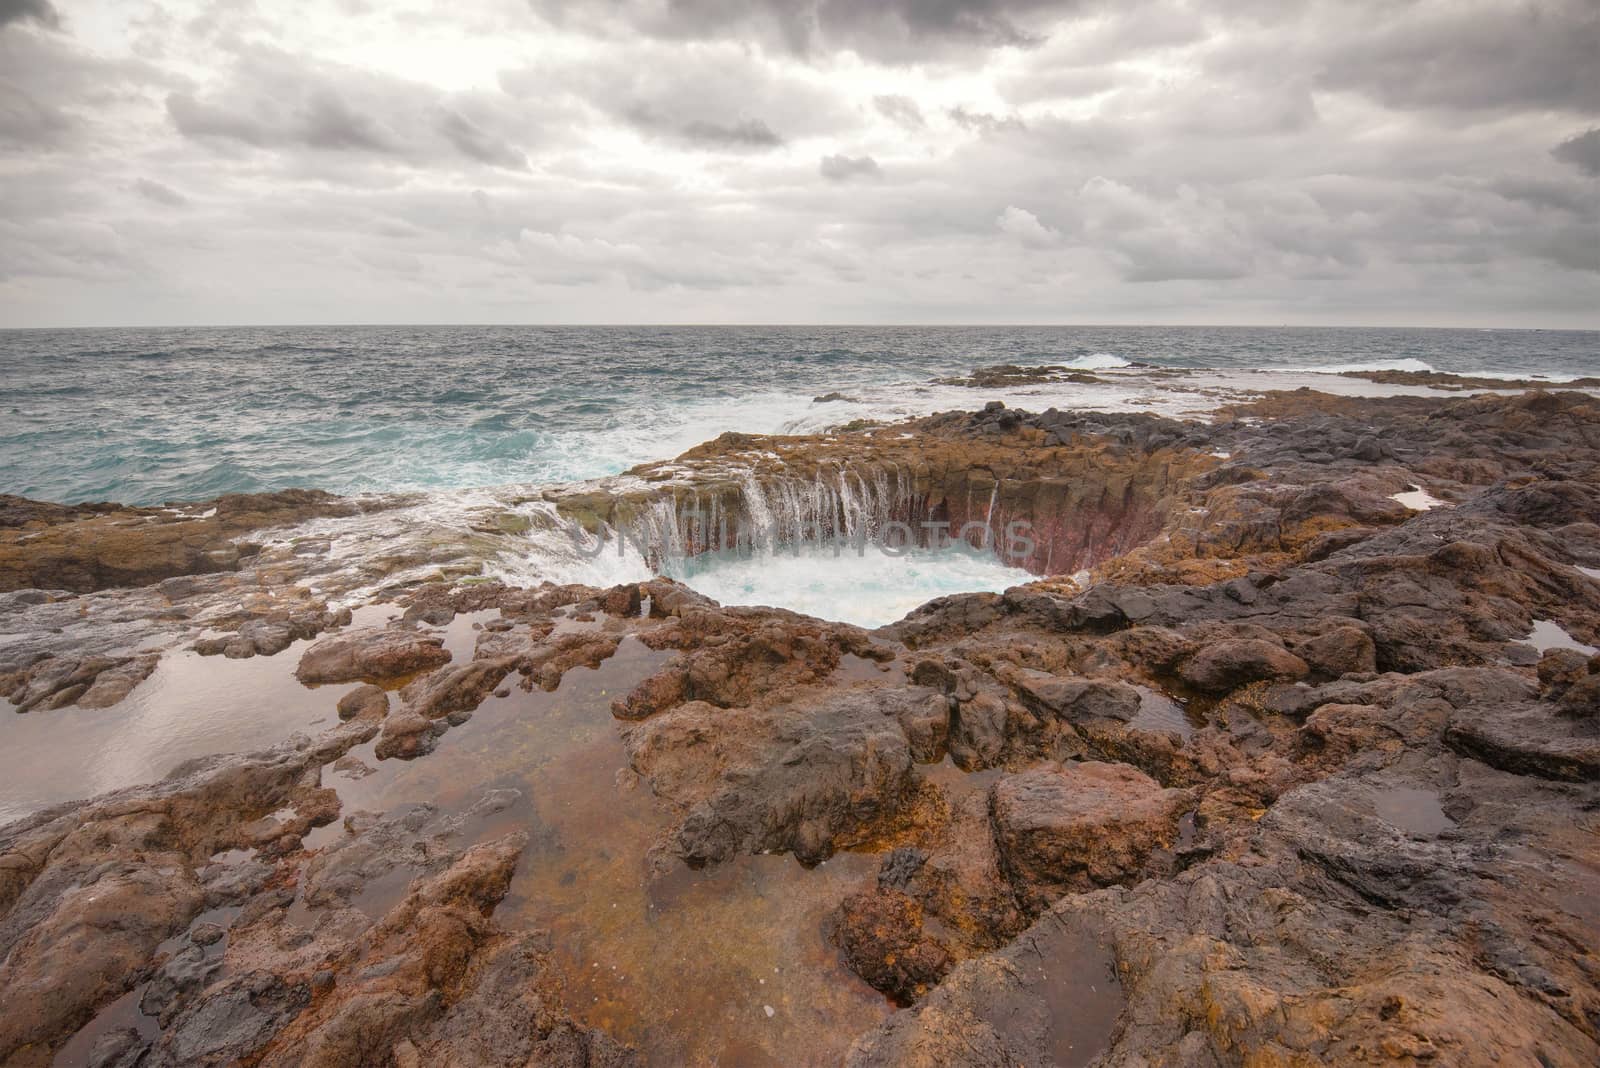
column 474, row 424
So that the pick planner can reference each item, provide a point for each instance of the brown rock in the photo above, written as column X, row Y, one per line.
column 371, row 654
column 1076, row 699
column 1226, row 665
column 458, row 689
column 1081, row 826
column 90, row 947
column 406, row 735
column 881, row 935
column 93, row 547
column 364, row 701
column 90, row 682
column 1340, row 651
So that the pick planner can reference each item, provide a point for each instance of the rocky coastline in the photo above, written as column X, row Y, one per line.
column 1290, row 755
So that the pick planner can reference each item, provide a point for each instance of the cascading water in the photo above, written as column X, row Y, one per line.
column 846, row 544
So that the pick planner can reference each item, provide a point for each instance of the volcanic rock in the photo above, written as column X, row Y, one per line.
column 372, row 654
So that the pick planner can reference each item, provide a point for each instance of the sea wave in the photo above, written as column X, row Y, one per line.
column 1425, row 367
column 1371, row 365
column 1097, row 361
column 1518, row 376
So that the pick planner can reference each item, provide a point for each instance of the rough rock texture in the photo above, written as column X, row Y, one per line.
column 372, row 656
column 1083, row 498
column 88, row 893
column 1280, row 781
column 92, row 682
column 90, row 547
column 1080, row 826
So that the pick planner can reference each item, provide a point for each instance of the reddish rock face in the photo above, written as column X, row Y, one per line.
column 1077, row 500
column 93, row 682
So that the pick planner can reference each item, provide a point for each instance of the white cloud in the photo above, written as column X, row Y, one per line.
column 506, row 160
column 1025, row 226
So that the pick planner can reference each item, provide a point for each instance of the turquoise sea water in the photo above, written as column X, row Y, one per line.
column 151, row 415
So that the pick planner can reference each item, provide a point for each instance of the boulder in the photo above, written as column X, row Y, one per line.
column 1340, row 651
column 1081, row 826
column 371, row 654
column 1226, row 665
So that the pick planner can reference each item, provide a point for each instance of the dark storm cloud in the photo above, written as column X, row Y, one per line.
column 844, row 168
column 322, row 121
column 198, row 120
column 50, row 89
column 896, row 30
column 1460, row 57
column 159, row 193
column 1582, row 151
column 1571, row 196
column 38, row 11
column 712, row 96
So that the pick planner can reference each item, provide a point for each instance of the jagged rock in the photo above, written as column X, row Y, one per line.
column 93, row 682
column 1367, row 841
column 96, row 936
column 1052, row 999
column 806, row 779
column 407, row 735
column 122, row 1048
column 457, row 689
column 1079, row 699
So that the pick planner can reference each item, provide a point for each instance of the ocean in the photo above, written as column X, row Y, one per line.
column 147, row 416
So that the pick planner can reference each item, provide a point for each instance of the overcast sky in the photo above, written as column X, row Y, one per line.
column 1252, row 161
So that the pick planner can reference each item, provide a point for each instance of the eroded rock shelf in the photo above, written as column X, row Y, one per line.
column 1265, row 768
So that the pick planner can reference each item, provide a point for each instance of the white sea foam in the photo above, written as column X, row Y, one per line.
column 1372, row 365
column 869, row 589
column 1096, row 361
column 1517, row 376
column 456, row 526
column 1423, row 366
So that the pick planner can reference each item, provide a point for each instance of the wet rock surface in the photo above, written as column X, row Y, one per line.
column 370, row 656
column 1280, row 780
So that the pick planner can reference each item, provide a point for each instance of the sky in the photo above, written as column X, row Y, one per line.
column 1382, row 162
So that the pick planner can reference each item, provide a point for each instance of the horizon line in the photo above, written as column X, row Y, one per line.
column 806, row 325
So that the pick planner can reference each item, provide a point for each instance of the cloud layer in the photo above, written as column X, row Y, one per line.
column 1422, row 161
